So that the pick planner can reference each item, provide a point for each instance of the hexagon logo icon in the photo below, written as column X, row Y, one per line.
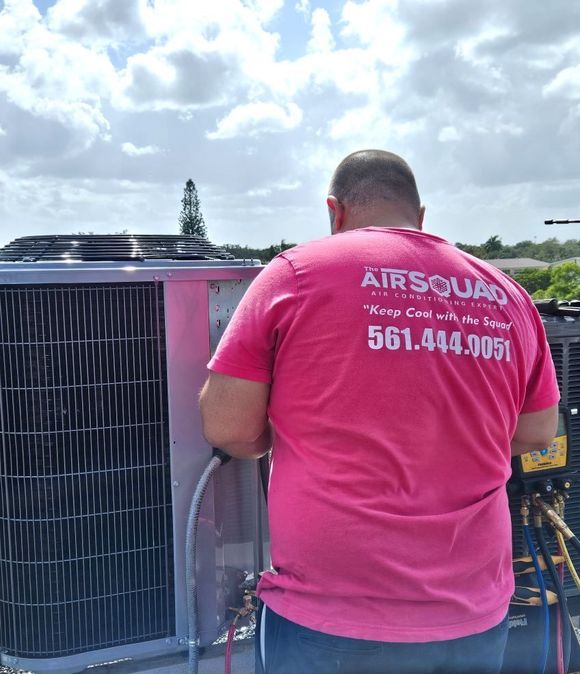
column 440, row 285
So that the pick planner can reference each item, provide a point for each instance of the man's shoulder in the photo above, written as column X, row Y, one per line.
column 330, row 245
column 316, row 249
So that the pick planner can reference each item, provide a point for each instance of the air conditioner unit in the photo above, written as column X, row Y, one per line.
column 563, row 332
column 103, row 346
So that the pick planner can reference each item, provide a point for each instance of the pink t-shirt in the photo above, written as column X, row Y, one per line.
column 399, row 366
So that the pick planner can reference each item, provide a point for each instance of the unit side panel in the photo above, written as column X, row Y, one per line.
column 187, row 357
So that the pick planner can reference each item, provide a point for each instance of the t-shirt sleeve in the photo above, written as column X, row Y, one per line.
column 259, row 325
column 542, row 389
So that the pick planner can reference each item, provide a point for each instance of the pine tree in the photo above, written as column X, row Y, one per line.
column 190, row 219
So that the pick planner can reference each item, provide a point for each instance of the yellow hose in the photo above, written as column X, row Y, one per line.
column 568, row 559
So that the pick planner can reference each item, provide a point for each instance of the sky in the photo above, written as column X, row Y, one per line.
column 107, row 107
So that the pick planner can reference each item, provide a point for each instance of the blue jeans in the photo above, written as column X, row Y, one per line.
column 292, row 649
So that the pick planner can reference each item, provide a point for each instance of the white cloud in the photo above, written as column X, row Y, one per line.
column 565, row 84
column 472, row 47
column 303, row 7
column 264, row 9
column 365, row 126
column 376, row 25
column 288, row 186
column 52, row 77
column 177, row 79
column 260, row 192
column 321, row 39
column 16, row 19
column 203, row 54
column 254, row 119
column 95, row 21
column 134, row 151
column 287, row 102
column 509, row 128
column 448, row 133
column 280, row 186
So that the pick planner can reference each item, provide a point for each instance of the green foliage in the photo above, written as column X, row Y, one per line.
column 190, row 219
column 561, row 282
column 262, row 254
column 477, row 251
column 564, row 283
column 525, row 249
column 534, row 280
column 550, row 250
column 493, row 247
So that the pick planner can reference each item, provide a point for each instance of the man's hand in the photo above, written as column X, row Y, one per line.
column 234, row 413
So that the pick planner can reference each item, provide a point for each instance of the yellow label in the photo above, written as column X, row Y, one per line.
column 553, row 456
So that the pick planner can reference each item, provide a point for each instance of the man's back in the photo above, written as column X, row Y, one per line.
column 400, row 366
column 394, row 375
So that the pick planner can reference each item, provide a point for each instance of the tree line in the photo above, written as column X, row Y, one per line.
column 561, row 281
column 550, row 250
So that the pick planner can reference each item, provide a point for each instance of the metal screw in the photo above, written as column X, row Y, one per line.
column 176, row 483
column 218, row 323
column 169, row 274
column 181, row 641
column 156, row 277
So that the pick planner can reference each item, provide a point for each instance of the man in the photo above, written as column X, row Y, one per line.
column 393, row 372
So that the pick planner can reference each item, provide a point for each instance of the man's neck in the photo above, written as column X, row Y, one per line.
column 383, row 215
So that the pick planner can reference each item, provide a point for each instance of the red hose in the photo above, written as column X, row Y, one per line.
column 229, row 644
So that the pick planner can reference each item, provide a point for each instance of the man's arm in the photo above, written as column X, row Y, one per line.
column 234, row 413
column 535, row 430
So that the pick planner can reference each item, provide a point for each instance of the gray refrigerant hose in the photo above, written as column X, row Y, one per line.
column 219, row 458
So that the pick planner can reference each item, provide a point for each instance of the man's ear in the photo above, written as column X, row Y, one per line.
column 336, row 214
column 420, row 218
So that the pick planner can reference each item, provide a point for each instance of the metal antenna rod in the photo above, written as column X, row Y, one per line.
column 561, row 222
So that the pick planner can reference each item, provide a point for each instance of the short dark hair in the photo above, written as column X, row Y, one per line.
column 368, row 176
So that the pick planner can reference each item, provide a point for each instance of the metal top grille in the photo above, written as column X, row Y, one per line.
column 111, row 248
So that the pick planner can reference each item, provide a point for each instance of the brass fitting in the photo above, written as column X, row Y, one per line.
column 247, row 609
column 562, row 503
column 552, row 516
column 525, row 510
column 556, row 506
column 538, row 519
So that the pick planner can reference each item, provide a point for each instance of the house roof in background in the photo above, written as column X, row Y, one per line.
column 518, row 263
column 568, row 259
